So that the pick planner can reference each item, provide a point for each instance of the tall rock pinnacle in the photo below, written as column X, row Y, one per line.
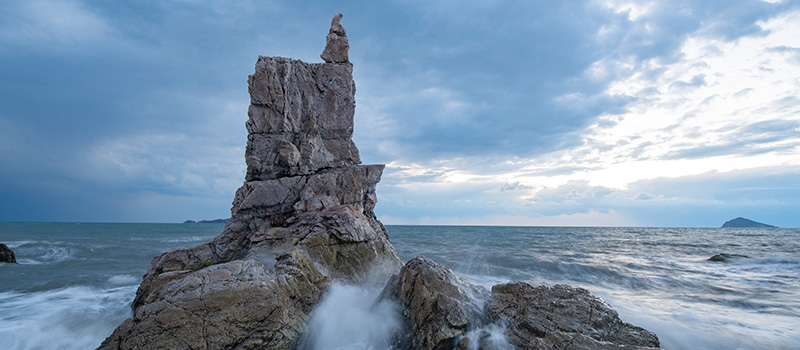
column 303, row 217
column 336, row 46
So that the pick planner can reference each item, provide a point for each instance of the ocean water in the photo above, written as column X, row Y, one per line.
column 75, row 282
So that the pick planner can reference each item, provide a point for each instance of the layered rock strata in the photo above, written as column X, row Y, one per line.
column 303, row 216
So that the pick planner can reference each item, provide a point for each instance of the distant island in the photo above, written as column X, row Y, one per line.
column 215, row 221
column 742, row 222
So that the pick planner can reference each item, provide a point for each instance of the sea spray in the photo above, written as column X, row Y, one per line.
column 354, row 318
column 490, row 337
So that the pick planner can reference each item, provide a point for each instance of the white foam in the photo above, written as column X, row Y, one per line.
column 44, row 255
column 123, row 280
column 495, row 340
column 67, row 318
column 353, row 318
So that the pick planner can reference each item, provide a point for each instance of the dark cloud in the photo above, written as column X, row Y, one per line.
column 121, row 102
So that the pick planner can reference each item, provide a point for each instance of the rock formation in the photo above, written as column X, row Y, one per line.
column 7, row 255
column 440, row 309
column 561, row 317
column 726, row 257
column 303, row 216
column 742, row 222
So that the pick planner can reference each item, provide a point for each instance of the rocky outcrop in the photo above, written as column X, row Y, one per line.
column 742, row 222
column 726, row 257
column 441, row 311
column 7, row 255
column 561, row 317
column 438, row 307
column 303, row 216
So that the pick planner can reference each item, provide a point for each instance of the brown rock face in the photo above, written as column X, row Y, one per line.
column 7, row 255
column 303, row 216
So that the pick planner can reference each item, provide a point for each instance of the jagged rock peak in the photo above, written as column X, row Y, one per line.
column 337, row 46
column 336, row 25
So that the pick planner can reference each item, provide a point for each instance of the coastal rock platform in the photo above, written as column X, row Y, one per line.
column 304, row 218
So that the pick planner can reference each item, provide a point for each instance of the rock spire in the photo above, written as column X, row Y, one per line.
column 303, row 216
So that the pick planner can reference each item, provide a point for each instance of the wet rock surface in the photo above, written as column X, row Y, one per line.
column 7, row 255
column 438, row 307
column 727, row 257
column 442, row 311
column 562, row 317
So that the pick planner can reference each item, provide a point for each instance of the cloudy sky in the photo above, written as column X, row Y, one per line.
column 595, row 112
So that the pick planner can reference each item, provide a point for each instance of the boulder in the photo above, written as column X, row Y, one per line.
column 337, row 46
column 726, row 257
column 303, row 216
column 437, row 306
column 561, row 316
column 7, row 255
column 442, row 311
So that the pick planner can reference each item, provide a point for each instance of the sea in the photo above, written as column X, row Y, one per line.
column 75, row 281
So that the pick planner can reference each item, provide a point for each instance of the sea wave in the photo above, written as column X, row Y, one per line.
column 77, row 317
column 36, row 253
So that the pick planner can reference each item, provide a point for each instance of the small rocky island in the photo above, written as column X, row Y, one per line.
column 304, row 218
column 742, row 222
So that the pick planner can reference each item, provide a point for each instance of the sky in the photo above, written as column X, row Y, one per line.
column 677, row 113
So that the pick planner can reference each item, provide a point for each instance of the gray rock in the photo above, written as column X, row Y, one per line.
column 241, row 304
column 561, row 317
column 337, row 46
column 7, row 255
column 438, row 307
column 442, row 311
column 303, row 216
column 726, row 257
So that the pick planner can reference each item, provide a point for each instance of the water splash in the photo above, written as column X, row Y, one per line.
column 354, row 318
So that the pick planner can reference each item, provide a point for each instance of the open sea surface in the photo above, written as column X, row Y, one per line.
column 75, row 281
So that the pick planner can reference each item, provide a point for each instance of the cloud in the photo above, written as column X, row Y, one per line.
column 51, row 25
column 476, row 107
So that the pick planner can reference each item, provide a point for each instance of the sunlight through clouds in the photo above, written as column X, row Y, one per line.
column 721, row 106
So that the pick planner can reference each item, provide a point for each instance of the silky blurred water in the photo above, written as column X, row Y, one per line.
column 75, row 282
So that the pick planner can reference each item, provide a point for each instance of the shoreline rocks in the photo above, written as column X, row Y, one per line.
column 304, row 217
column 441, row 311
column 7, row 255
